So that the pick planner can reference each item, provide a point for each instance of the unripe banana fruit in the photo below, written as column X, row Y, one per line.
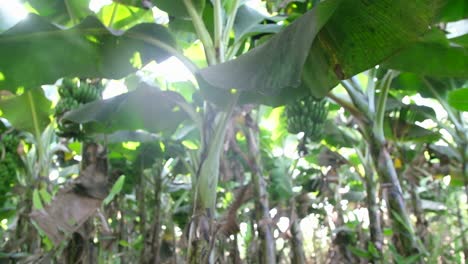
column 307, row 115
column 74, row 93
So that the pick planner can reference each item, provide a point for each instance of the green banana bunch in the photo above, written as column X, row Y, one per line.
column 86, row 93
column 65, row 90
column 81, row 91
column 74, row 93
column 66, row 104
column 68, row 129
column 307, row 115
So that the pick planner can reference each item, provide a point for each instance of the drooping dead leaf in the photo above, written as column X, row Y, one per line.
column 65, row 214
column 75, row 204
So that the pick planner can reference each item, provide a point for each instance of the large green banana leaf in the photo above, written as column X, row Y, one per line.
column 36, row 52
column 144, row 108
column 334, row 41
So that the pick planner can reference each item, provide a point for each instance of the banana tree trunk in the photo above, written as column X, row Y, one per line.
column 234, row 254
column 202, row 231
column 262, row 209
column 267, row 251
column 370, row 117
column 373, row 210
column 464, row 152
column 122, row 231
column 404, row 238
column 297, row 246
column 92, row 183
column 140, row 196
column 200, row 237
column 421, row 222
column 463, row 231
column 156, row 236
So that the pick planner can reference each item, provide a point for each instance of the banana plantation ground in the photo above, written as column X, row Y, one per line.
column 234, row 131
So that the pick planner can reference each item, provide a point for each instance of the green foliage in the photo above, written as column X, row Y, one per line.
column 61, row 12
column 458, row 99
column 402, row 130
column 116, row 188
column 453, row 10
column 306, row 50
column 28, row 112
column 178, row 9
column 45, row 196
column 10, row 163
column 90, row 49
column 442, row 57
column 123, row 17
column 248, row 22
column 36, row 199
column 400, row 124
column 333, row 41
column 280, row 187
column 339, row 136
column 309, row 179
column 124, row 166
column 399, row 259
column 262, row 76
column 144, row 108
column 410, row 83
column 10, row 142
column 8, row 168
column 148, row 154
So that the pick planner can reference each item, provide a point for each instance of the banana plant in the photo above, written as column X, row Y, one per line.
column 368, row 108
column 442, row 82
column 459, row 134
column 38, row 147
